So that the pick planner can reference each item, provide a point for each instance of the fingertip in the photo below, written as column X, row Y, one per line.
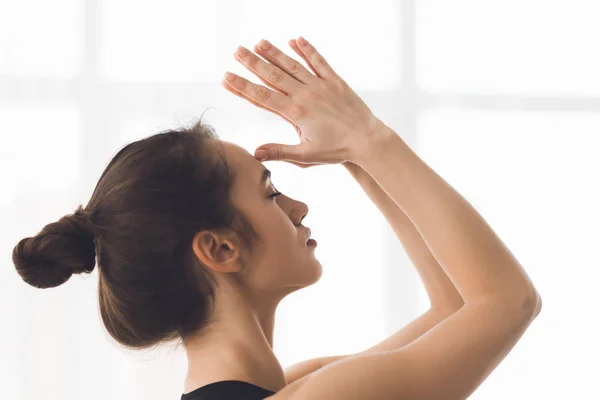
column 261, row 155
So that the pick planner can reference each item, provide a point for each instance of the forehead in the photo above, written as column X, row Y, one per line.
column 246, row 166
column 237, row 155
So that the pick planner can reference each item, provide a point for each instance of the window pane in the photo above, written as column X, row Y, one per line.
column 360, row 43
column 159, row 41
column 42, row 148
column 533, row 177
column 539, row 47
column 41, row 38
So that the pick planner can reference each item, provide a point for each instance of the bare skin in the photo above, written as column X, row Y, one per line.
column 335, row 126
column 239, row 345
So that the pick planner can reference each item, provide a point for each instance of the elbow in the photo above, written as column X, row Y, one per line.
column 525, row 297
column 530, row 304
column 526, row 303
column 538, row 304
column 533, row 302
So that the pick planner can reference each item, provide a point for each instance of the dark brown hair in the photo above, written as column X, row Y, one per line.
column 152, row 198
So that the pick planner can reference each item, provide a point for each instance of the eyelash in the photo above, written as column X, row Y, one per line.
column 275, row 194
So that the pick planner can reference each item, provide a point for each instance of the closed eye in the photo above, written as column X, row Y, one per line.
column 275, row 194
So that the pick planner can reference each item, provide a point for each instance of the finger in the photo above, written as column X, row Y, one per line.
column 269, row 85
column 294, row 45
column 259, row 94
column 318, row 62
column 303, row 166
column 267, row 71
column 241, row 95
column 285, row 62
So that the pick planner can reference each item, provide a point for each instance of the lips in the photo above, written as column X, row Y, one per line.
column 308, row 235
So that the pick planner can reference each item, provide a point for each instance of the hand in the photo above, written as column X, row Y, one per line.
column 330, row 119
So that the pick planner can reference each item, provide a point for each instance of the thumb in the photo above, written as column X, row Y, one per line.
column 276, row 152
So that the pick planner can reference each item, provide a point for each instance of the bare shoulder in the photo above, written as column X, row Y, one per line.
column 348, row 378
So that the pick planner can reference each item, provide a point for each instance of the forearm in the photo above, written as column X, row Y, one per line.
column 442, row 293
column 471, row 254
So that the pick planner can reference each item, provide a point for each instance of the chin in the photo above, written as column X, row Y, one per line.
column 316, row 272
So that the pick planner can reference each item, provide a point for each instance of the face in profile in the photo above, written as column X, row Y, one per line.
column 283, row 262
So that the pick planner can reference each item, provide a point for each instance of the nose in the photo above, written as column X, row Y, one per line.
column 303, row 213
column 297, row 210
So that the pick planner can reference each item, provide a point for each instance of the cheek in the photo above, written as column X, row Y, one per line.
column 280, row 235
column 282, row 241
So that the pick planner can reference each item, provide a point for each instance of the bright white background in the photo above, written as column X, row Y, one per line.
column 502, row 99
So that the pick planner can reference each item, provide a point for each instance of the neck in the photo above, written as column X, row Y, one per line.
column 237, row 345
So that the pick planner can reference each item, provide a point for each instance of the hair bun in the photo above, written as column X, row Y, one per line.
column 59, row 250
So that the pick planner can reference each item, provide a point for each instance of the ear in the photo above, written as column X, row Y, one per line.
column 217, row 251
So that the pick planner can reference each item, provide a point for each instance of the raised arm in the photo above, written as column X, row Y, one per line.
column 455, row 356
column 442, row 294
column 469, row 251
column 451, row 359
column 335, row 125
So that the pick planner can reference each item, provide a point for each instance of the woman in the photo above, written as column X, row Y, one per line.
column 195, row 244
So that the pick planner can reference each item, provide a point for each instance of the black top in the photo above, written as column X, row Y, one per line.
column 228, row 390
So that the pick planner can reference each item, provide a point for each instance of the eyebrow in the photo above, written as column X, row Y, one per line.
column 266, row 174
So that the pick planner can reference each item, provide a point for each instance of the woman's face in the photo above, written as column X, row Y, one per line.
column 282, row 262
